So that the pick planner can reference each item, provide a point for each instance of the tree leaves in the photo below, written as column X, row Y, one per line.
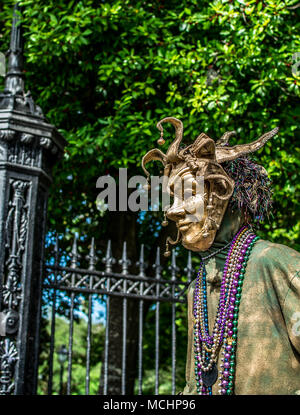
column 105, row 73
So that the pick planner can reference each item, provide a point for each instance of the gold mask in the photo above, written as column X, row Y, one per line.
column 202, row 158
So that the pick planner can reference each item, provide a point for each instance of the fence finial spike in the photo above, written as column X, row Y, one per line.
column 74, row 247
column 142, row 253
column 108, row 260
column 14, row 83
column 124, row 254
column 173, row 267
column 125, row 262
column 92, row 257
column 173, row 261
column 141, row 263
column 156, row 265
column 108, row 249
column 173, row 264
column 93, row 249
column 157, row 260
column 74, row 253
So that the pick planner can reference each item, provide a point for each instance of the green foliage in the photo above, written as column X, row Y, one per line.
column 78, row 357
column 165, row 348
column 106, row 72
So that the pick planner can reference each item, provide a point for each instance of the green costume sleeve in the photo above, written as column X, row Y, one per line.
column 282, row 266
column 291, row 311
column 268, row 348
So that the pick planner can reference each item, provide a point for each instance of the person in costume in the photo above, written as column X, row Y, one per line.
column 244, row 305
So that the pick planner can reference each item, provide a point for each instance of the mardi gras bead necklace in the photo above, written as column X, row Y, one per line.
column 224, row 333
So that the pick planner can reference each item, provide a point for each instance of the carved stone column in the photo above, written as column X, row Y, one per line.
column 29, row 147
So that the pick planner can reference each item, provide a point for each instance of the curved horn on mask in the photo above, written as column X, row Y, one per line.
column 172, row 153
column 154, row 154
column 231, row 153
column 223, row 141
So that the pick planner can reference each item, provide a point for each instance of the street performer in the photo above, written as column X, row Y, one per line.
column 244, row 305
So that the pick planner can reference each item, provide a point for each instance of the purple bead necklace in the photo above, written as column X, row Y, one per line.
column 206, row 347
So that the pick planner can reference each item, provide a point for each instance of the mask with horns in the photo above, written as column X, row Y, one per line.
column 206, row 159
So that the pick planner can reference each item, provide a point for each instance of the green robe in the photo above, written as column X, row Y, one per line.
column 268, row 345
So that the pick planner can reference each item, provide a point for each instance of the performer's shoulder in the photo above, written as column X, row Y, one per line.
column 267, row 252
column 272, row 248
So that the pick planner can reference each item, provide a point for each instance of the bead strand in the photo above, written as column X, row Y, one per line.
column 225, row 326
column 231, row 345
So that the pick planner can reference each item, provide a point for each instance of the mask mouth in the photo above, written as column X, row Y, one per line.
column 184, row 229
column 183, row 225
column 187, row 226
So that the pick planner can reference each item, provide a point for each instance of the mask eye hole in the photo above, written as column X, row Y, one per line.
column 221, row 187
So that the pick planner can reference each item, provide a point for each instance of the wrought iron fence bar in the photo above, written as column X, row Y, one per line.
column 173, row 347
column 124, row 345
column 51, row 352
column 157, row 276
column 141, row 264
column 103, row 274
column 116, row 294
column 70, row 348
column 92, row 262
column 88, row 343
column 74, row 256
column 157, row 347
column 53, row 312
column 124, row 262
column 140, row 356
column 174, row 269
column 106, row 346
column 108, row 260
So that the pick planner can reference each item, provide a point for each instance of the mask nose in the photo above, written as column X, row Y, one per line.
column 175, row 212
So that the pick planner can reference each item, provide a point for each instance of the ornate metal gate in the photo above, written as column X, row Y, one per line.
column 29, row 147
column 94, row 284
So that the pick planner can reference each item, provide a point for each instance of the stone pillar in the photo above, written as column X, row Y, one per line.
column 29, row 148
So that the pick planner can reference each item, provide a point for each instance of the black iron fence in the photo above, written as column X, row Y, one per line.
column 66, row 281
